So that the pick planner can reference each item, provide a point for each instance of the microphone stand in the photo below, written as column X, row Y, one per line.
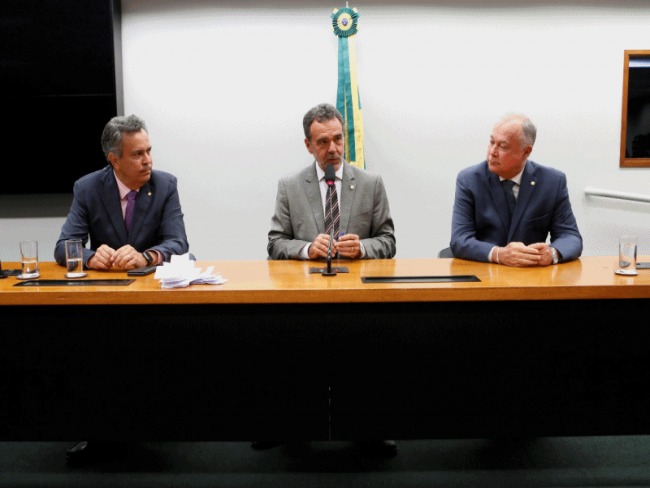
column 328, row 271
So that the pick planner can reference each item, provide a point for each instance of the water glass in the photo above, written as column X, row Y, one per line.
column 627, row 255
column 29, row 260
column 74, row 259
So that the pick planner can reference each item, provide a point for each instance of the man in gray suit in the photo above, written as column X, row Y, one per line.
column 298, row 224
column 298, row 228
column 100, row 201
column 99, row 209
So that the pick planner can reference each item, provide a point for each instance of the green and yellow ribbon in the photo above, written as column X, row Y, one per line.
column 344, row 21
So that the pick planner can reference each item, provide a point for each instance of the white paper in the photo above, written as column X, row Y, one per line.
column 181, row 272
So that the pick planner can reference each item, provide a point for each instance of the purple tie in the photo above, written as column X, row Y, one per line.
column 130, row 208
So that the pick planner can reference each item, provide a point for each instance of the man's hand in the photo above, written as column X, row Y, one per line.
column 127, row 257
column 349, row 246
column 519, row 255
column 102, row 259
column 319, row 247
column 546, row 254
column 107, row 258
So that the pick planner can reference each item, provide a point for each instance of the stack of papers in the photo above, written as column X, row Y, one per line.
column 181, row 272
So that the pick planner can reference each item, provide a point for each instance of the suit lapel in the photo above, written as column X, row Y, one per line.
column 142, row 206
column 526, row 190
column 312, row 190
column 498, row 196
column 346, row 198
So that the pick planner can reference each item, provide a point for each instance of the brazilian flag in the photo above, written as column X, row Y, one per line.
column 344, row 21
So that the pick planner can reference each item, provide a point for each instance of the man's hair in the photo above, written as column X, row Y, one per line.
column 528, row 129
column 322, row 113
column 112, row 133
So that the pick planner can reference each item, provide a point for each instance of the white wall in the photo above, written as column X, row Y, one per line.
column 223, row 87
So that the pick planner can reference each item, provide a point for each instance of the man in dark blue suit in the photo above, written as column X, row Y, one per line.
column 485, row 227
column 153, row 232
column 157, row 229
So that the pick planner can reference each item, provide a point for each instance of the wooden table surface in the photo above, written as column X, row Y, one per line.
column 267, row 281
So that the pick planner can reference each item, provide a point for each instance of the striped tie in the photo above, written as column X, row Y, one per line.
column 332, row 216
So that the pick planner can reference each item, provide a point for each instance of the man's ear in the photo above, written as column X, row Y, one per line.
column 308, row 146
column 112, row 158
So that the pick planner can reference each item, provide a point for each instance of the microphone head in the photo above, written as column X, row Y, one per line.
column 330, row 175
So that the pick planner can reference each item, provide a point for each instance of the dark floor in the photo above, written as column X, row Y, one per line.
column 617, row 461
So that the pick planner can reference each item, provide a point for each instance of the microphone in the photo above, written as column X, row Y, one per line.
column 330, row 175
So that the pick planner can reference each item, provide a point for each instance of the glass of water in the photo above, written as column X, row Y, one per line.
column 627, row 255
column 74, row 259
column 29, row 260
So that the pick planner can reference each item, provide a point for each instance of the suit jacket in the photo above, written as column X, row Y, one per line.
column 480, row 215
column 96, row 214
column 299, row 216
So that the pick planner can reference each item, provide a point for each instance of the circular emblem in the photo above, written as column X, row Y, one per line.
column 344, row 21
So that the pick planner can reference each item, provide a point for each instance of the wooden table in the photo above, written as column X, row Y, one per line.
column 279, row 352
column 268, row 281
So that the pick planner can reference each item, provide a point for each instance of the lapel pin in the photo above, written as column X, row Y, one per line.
column 149, row 194
column 532, row 183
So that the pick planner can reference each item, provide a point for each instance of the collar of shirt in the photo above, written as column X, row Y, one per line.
column 517, row 180
column 124, row 191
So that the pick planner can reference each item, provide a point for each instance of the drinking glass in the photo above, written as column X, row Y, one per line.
column 74, row 259
column 627, row 255
column 29, row 260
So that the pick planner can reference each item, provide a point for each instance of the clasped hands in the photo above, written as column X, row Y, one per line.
column 348, row 246
column 107, row 258
column 521, row 255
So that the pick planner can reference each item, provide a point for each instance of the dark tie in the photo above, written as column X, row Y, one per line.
column 332, row 216
column 510, row 195
column 130, row 208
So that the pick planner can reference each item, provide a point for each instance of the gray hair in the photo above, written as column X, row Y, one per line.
column 528, row 129
column 322, row 113
column 112, row 134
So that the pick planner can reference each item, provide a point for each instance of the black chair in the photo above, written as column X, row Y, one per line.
column 446, row 253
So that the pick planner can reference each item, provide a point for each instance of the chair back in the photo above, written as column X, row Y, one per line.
column 446, row 253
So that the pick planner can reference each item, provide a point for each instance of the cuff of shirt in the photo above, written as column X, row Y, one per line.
column 304, row 252
column 490, row 254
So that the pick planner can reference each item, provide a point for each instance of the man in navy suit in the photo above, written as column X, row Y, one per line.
column 484, row 229
column 98, row 211
column 100, row 199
